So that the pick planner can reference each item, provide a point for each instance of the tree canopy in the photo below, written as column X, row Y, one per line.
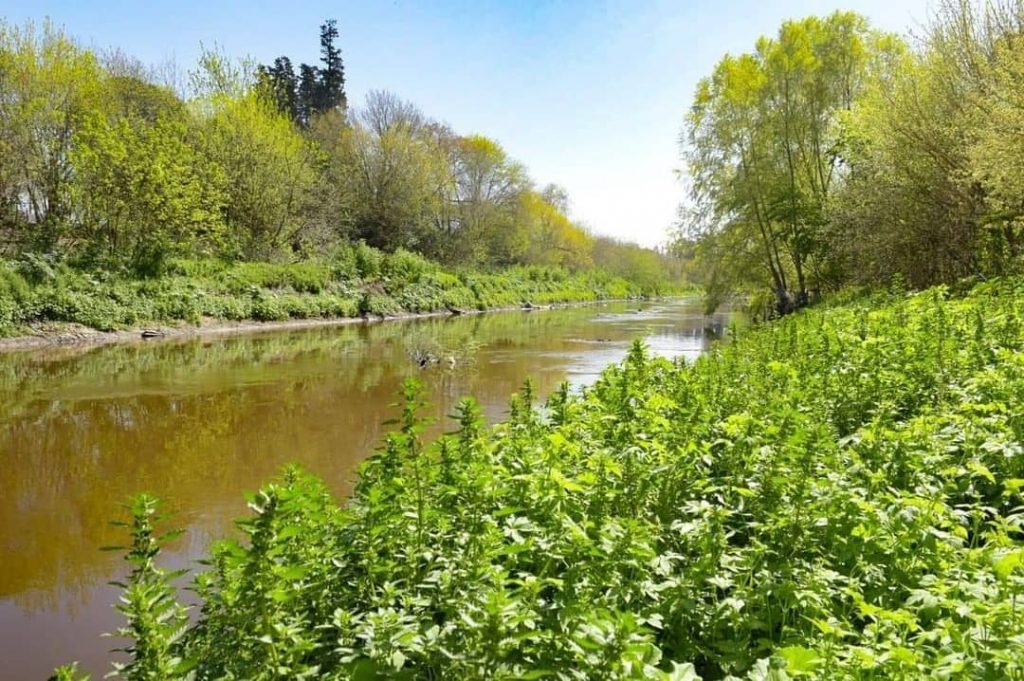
column 835, row 154
column 102, row 163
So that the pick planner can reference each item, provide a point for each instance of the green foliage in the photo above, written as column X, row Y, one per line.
column 403, row 267
column 115, row 172
column 47, row 87
column 305, row 277
column 834, row 496
column 68, row 672
column 760, row 145
column 270, row 172
column 908, row 187
column 835, row 155
column 154, row 621
column 357, row 280
column 143, row 191
column 14, row 297
column 367, row 260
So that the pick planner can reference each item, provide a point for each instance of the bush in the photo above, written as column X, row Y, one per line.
column 207, row 268
column 344, row 265
column 10, row 315
column 334, row 306
column 368, row 261
column 228, row 307
column 378, row 304
column 99, row 312
column 38, row 268
column 268, row 309
column 12, row 285
column 403, row 268
column 311, row 277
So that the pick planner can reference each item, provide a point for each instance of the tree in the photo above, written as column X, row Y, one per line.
column 392, row 173
column 306, row 95
column 903, row 207
column 141, row 193
column 316, row 90
column 488, row 186
column 270, row 169
column 557, row 196
column 282, row 86
column 271, row 172
column 932, row 188
column 331, row 92
column 48, row 85
column 762, row 148
column 335, row 209
column 551, row 237
column 987, row 46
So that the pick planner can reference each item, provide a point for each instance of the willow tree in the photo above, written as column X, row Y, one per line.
column 761, row 147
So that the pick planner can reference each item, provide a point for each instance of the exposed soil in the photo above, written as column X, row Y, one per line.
column 58, row 334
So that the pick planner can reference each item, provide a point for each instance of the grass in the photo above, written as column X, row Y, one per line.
column 355, row 280
column 834, row 496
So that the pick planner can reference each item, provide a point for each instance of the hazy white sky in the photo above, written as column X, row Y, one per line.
column 590, row 94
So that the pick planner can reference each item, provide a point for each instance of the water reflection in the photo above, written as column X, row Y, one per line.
column 199, row 422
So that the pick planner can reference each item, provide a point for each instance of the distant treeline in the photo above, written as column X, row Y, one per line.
column 104, row 165
column 834, row 154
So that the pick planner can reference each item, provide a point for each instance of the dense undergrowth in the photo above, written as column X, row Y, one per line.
column 355, row 280
column 836, row 495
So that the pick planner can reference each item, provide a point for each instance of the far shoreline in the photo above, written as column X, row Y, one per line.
column 62, row 335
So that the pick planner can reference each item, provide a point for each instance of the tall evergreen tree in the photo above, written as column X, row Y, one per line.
column 282, row 85
column 332, row 75
column 314, row 90
column 309, row 85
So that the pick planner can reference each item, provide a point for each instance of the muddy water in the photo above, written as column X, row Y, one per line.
column 200, row 422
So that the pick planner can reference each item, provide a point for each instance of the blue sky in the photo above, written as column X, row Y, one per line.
column 587, row 93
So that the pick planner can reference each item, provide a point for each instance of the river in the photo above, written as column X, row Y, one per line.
column 199, row 422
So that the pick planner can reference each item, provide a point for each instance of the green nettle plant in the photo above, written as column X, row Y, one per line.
column 839, row 495
column 154, row 621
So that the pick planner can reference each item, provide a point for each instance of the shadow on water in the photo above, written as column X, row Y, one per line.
column 199, row 422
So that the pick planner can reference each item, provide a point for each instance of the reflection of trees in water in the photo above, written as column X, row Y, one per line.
column 198, row 422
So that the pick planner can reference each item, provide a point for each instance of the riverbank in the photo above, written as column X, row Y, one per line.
column 833, row 495
column 66, row 334
column 43, row 303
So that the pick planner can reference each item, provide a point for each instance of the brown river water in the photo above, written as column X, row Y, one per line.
column 199, row 422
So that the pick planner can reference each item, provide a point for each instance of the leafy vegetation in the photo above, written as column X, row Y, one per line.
column 834, row 154
column 835, row 496
column 107, row 168
column 357, row 280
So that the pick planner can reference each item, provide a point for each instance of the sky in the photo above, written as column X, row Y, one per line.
column 589, row 94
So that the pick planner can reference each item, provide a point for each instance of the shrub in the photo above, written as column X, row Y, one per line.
column 378, row 304
column 268, row 309
column 39, row 288
column 368, row 261
column 98, row 312
column 403, row 268
column 344, row 265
